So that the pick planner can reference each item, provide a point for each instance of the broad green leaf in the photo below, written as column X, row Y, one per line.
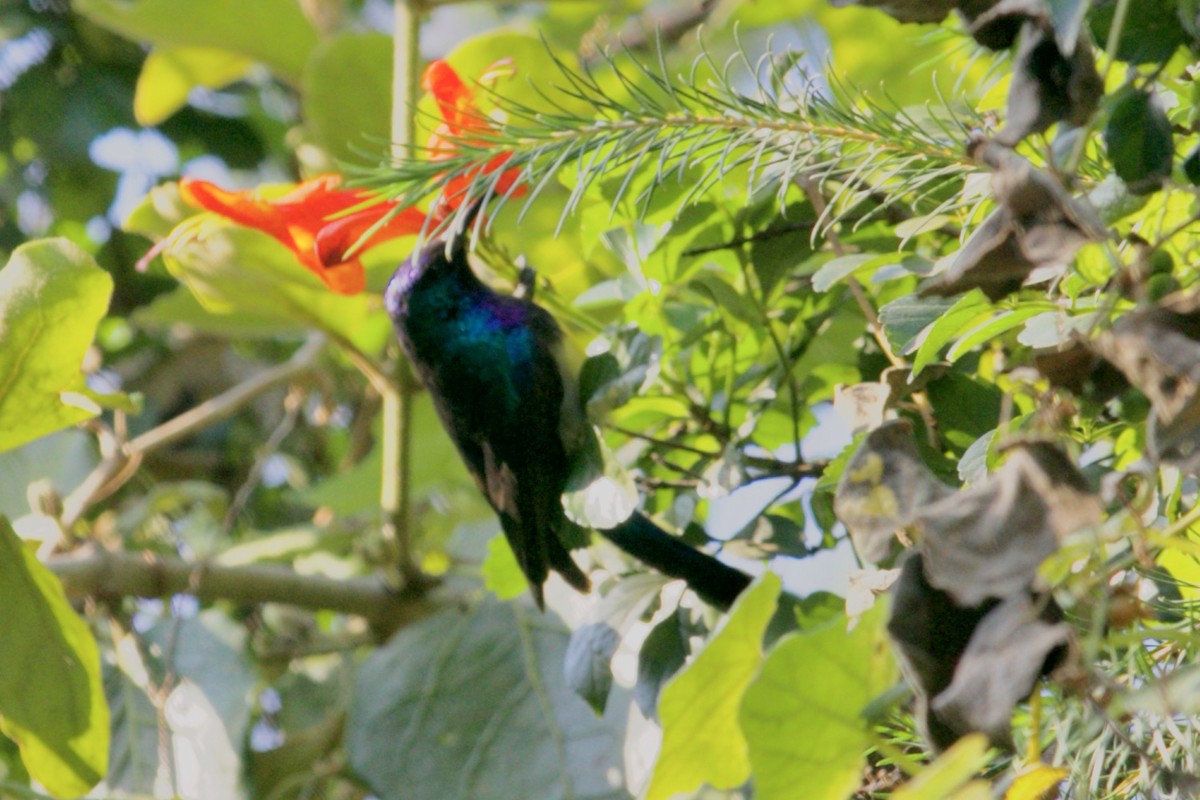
column 235, row 271
column 170, row 73
column 802, row 714
column 702, row 741
column 949, row 773
column 52, row 296
column 347, row 94
column 274, row 32
column 51, row 698
column 473, row 703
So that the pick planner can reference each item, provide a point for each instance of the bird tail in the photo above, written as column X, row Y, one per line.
column 717, row 583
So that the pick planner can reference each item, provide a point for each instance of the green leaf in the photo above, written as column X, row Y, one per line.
column 52, row 297
column 949, row 772
column 275, row 32
column 1139, row 141
column 51, row 699
column 802, row 714
column 702, row 742
column 473, row 703
column 712, row 286
column 844, row 266
column 1151, row 33
column 991, row 328
column 181, row 308
column 236, row 271
column 907, row 316
column 170, row 73
column 929, row 342
column 347, row 94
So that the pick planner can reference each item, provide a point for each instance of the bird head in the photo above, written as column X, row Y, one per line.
column 449, row 249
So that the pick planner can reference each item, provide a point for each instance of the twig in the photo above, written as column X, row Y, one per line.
column 291, row 405
column 122, row 459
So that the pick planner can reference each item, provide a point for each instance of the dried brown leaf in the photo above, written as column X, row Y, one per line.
column 1015, row 644
column 987, row 541
column 884, row 485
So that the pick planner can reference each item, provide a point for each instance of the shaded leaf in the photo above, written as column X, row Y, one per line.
column 450, row 704
column 52, row 297
column 883, row 488
column 702, row 741
column 51, row 697
column 1158, row 350
column 803, row 713
column 1139, row 141
column 663, row 653
column 588, row 664
column 1151, row 33
column 931, row 633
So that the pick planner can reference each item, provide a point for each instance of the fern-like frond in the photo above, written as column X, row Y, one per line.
column 644, row 127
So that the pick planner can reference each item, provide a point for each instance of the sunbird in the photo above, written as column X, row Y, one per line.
column 497, row 370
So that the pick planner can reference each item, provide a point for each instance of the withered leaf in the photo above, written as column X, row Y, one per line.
column 1158, row 350
column 1038, row 224
column 884, row 485
column 996, row 27
column 1049, row 86
column 906, row 10
column 1016, row 643
column 931, row 633
column 987, row 541
column 969, row 666
column 861, row 406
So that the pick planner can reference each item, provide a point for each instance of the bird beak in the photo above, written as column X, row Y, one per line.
column 458, row 234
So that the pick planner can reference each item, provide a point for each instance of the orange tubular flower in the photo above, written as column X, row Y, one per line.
column 300, row 221
column 462, row 122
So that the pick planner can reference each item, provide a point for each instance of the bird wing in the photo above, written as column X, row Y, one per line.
column 507, row 403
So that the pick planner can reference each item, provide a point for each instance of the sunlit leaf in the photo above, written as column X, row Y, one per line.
column 803, row 713
column 52, row 296
column 51, row 699
column 702, row 738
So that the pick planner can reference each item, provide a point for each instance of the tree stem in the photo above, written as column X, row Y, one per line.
column 105, row 573
column 395, row 497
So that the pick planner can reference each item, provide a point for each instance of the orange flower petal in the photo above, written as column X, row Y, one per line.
column 338, row 236
column 237, row 206
column 454, row 98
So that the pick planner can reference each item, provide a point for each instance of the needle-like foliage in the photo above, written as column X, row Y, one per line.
column 766, row 123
